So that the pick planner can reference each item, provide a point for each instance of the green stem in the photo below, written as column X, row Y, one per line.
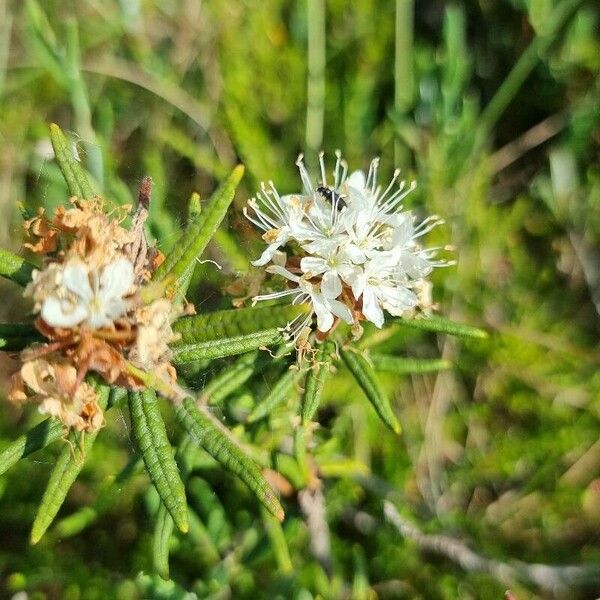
column 315, row 107
column 523, row 68
column 403, row 67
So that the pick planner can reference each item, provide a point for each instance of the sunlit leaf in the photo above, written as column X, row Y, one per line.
column 151, row 437
column 367, row 380
column 208, row 433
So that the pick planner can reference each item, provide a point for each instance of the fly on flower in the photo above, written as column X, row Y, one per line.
column 356, row 251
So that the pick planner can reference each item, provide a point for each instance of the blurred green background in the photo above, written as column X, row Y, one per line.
column 493, row 106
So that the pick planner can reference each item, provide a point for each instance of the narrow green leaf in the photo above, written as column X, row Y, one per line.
column 201, row 538
column 15, row 268
column 405, row 366
column 277, row 395
column 232, row 323
column 315, row 380
column 160, row 541
column 225, row 347
column 229, row 380
column 209, row 433
column 38, row 437
column 76, row 178
column 278, row 542
column 16, row 336
column 443, row 325
column 200, row 230
column 194, row 210
column 75, row 523
column 65, row 471
column 151, row 436
column 367, row 380
column 194, row 206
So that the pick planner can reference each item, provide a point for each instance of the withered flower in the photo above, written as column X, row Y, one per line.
column 92, row 309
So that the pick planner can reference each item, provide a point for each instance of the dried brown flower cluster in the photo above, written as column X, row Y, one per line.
column 95, row 308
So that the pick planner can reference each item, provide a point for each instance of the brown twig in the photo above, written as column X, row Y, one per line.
column 556, row 579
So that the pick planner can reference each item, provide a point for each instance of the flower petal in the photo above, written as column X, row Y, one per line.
column 340, row 310
column 331, row 286
column 75, row 278
column 313, row 264
column 324, row 316
column 61, row 313
column 116, row 279
column 371, row 309
column 277, row 270
column 267, row 255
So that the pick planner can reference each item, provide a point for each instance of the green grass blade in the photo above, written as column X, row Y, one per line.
column 76, row 178
column 405, row 366
column 151, row 436
column 229, row 380
column 315, row 380
column 537, row 49
column 38, row 437
column 65, row 471
column 163, row 529
column 208, row 433
column 367, row 380
column 278, row 394
column 200, row 231
column 235, row 322
column 15, row 268
column 225, row 347
column 443, row 325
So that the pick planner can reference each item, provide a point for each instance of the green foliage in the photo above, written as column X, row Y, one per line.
column 315, row 380
column 199, row 232
column 279, row 393
column 493, row 109
column 35, row 439
column 65, row 471
column 151, row 437
column 210, row 435
column 15, row 268
column 367, row 380
column 77, row 180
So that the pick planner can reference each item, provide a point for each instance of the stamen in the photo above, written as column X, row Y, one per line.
column 304, row 176
column 322, row 166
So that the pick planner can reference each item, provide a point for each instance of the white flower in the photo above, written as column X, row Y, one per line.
column 323, row 307
column 85, row 296
column 333, row 268
column 380, row 286
column 278, row 216
column 360, row 252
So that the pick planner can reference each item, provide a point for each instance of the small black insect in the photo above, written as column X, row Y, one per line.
column 332, row 196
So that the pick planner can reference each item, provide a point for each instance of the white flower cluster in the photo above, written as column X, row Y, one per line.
column 360, row 252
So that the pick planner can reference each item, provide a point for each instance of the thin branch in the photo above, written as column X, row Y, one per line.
column 532, row 138
column 555, row 579
column 312, row 503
